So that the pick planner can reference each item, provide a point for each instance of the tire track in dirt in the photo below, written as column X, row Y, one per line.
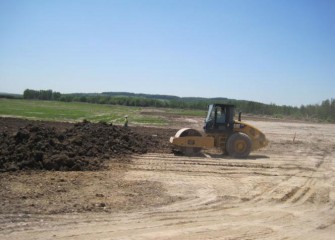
column 202, row 170
column 171, row 172
column 211, row 206
column 202, row 199
column 208, row 204
column 279, row 192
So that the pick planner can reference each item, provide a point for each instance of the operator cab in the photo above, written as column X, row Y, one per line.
column 220, row 117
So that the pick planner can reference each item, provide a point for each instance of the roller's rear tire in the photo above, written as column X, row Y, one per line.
column 239, row 145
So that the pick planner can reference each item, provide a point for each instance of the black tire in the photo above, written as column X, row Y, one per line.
column 239, row 145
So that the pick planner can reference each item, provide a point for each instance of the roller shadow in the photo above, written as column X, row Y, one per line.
column 224, row 156
column 219, row 156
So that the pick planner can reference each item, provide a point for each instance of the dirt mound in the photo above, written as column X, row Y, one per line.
column 84, row 146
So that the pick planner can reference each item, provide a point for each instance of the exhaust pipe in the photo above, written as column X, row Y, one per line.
column 239, row 116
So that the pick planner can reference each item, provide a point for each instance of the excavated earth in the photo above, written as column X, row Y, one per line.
column 97, row 181
column 61, row 167
column 82, row 146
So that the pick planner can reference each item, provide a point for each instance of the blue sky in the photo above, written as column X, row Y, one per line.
column 269, row 51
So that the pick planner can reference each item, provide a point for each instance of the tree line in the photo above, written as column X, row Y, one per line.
column 324, row 111
column 41, row 94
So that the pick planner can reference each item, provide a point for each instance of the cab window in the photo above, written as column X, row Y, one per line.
column 220, row 115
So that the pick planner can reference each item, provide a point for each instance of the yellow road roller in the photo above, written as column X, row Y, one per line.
column 222, row 131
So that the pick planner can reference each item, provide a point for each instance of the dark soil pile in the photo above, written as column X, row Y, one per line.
column 85, row 146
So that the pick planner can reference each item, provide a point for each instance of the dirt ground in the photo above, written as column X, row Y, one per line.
column 285, row 191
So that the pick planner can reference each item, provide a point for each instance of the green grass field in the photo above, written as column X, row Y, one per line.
column 73, row 112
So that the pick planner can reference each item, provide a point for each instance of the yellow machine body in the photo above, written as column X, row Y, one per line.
column 234, row 137
column 219, row 139
column 258, row 138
